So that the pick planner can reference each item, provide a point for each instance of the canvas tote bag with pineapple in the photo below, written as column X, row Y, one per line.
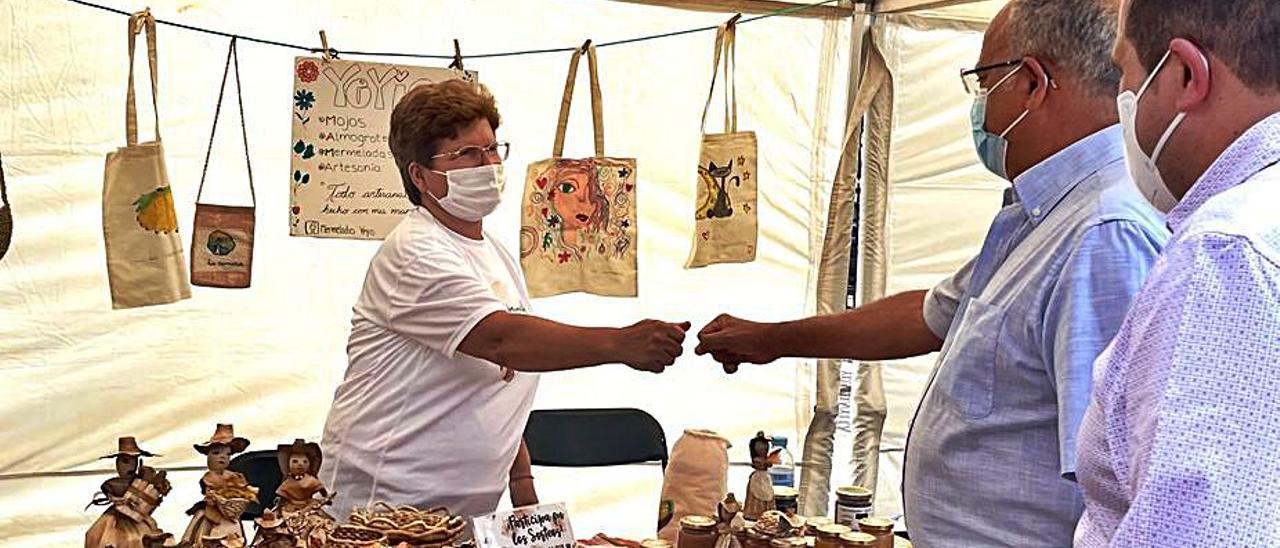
column 578, row 216
column 725, row 214
column 145, row 264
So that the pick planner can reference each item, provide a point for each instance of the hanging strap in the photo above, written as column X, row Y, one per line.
column 139, row 22
column 233, row 59
column 597, row 110
column 726, row 42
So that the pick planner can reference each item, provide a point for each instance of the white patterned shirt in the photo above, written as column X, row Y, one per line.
column 1181, row 445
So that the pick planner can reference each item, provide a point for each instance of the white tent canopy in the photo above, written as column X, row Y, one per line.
column 75, row 375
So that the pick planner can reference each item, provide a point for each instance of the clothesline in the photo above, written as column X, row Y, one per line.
column 335, row 52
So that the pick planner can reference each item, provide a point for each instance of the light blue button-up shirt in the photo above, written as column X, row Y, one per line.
column 991, row 454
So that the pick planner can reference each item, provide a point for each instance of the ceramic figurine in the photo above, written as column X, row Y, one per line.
column 216, row 519
column 272, row 533
column 760, row 486
column 296, row 499
column 132, row 496
column 730, row 522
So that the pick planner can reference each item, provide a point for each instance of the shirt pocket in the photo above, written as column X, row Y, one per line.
column 967, row 375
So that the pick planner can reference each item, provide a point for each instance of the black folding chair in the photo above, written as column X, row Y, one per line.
column 262, row 469
column 594, row 437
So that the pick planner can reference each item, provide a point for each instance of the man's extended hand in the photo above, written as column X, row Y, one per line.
column 651, row 345
column 734, row 341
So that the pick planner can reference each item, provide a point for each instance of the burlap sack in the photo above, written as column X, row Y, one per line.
column 696, row 480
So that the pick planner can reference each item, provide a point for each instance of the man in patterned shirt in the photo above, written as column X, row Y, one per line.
column 1181, row 445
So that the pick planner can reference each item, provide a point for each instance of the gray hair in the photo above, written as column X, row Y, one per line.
column 1077, row 35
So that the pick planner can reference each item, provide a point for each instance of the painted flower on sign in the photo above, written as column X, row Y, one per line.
column 304, row 99
column 308, row 71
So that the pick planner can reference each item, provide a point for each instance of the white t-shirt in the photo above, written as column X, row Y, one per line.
column 415, row 421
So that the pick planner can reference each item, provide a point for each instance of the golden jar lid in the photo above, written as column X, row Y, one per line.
column 818, row 521
column 876, row 523
column 833, row 530
column 858, row 539
column 657, row 543
column 698, row 522
column 786, row 493
column 854, row 491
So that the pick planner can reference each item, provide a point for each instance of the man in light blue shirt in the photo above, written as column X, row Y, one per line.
column 990, row 458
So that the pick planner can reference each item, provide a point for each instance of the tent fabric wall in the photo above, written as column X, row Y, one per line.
column 927, row 203
column 74, row 374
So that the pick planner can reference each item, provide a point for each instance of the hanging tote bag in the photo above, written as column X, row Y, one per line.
column 725, row 213
column 6, row 216
column 145, row 265
column 222, row 236
column 578, row 217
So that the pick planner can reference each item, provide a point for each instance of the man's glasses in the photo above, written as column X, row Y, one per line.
column 972, row 78
column 476, row 154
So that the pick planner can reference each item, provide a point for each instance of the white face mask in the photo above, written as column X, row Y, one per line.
column 1142, row 168
column 473, row 192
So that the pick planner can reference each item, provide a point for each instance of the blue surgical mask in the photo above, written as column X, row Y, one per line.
column 992, row 148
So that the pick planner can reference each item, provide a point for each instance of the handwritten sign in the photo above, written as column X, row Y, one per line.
column 344, row 182
column 545, row 526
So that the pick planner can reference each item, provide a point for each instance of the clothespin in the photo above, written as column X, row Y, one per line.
column 141, row 20
column 733, row 20
column 457, row 56
column 586, row 45
column 329, row 54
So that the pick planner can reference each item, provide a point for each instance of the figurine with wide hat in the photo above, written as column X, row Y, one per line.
column 226, row 493
column 131, row 497
column 302, row 511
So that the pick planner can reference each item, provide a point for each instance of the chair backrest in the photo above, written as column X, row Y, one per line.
column 594, row 437
column 262, row 469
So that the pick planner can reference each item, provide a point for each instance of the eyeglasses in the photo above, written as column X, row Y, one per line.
column 477, row 154
column 973, row 80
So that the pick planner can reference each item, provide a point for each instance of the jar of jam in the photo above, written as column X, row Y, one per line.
column 786, row 500
column 811, row 525
column 697, row 532
column 852, row 504
column 880, row 528
column 829, row 535
column 858, row 540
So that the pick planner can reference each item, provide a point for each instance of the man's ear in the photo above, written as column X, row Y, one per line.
column 1040, row 82
column 1194, row 80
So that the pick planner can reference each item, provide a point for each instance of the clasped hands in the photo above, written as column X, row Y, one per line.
column 653, row 345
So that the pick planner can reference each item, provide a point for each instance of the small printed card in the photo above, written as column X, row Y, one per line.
column 545, row 526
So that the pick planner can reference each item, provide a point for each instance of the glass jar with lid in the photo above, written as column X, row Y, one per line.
column 828, row 536
column 881, row 528
column 858, row 540
column 853, row 503
column 697, row 532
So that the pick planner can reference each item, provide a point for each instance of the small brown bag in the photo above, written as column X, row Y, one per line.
column 222, row 236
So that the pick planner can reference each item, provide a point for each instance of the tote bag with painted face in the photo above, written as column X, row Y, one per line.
column 578, row 217
column 725, row 215
column 145, row 263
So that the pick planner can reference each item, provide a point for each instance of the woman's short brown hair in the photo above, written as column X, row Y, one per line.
column 431, row 113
